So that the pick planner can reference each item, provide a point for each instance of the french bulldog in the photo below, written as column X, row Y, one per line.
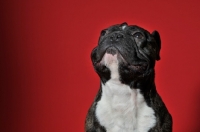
column 127, row 100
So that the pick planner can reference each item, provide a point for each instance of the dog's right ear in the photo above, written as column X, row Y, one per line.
column 156, row 37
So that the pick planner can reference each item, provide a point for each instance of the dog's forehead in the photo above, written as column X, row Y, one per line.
column 124, row 27
column 114, row 28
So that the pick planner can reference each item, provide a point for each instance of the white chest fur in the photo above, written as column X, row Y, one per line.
column 122, row 109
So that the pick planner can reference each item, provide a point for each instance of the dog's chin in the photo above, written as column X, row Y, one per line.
column 111, row 56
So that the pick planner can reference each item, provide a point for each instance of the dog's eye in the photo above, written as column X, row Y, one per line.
column 138, row 35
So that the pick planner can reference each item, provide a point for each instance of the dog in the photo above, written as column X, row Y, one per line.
column 127, row 100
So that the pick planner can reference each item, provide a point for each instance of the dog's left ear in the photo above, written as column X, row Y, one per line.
column 156, row 36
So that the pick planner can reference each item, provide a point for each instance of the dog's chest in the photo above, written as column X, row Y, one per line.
column 122, row 109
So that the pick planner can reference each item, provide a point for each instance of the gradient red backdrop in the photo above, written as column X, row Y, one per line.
column 47, row 81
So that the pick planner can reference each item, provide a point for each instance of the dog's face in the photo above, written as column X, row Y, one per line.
column 133, row 49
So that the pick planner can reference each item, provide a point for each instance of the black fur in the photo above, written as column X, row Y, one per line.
column 139, row 50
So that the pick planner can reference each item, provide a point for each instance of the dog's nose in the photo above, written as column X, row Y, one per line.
column 116, row 37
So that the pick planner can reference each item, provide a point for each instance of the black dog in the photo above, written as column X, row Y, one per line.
column 127, row 100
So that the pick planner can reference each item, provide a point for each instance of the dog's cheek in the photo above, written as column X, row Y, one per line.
column 94, row 55
column 150, row 50
column 141, row 43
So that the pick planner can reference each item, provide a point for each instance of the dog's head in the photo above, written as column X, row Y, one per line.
column 131, row 48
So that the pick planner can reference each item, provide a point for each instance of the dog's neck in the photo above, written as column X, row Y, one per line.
column 145, row 86
column 125, row 103
column 127, row 106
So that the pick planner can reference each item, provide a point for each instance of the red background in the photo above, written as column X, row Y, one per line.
column 47, row 81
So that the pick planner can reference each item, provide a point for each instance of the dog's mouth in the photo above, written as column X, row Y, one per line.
column 139, row 66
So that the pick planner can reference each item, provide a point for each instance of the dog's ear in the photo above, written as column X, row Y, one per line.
column 156, row 36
